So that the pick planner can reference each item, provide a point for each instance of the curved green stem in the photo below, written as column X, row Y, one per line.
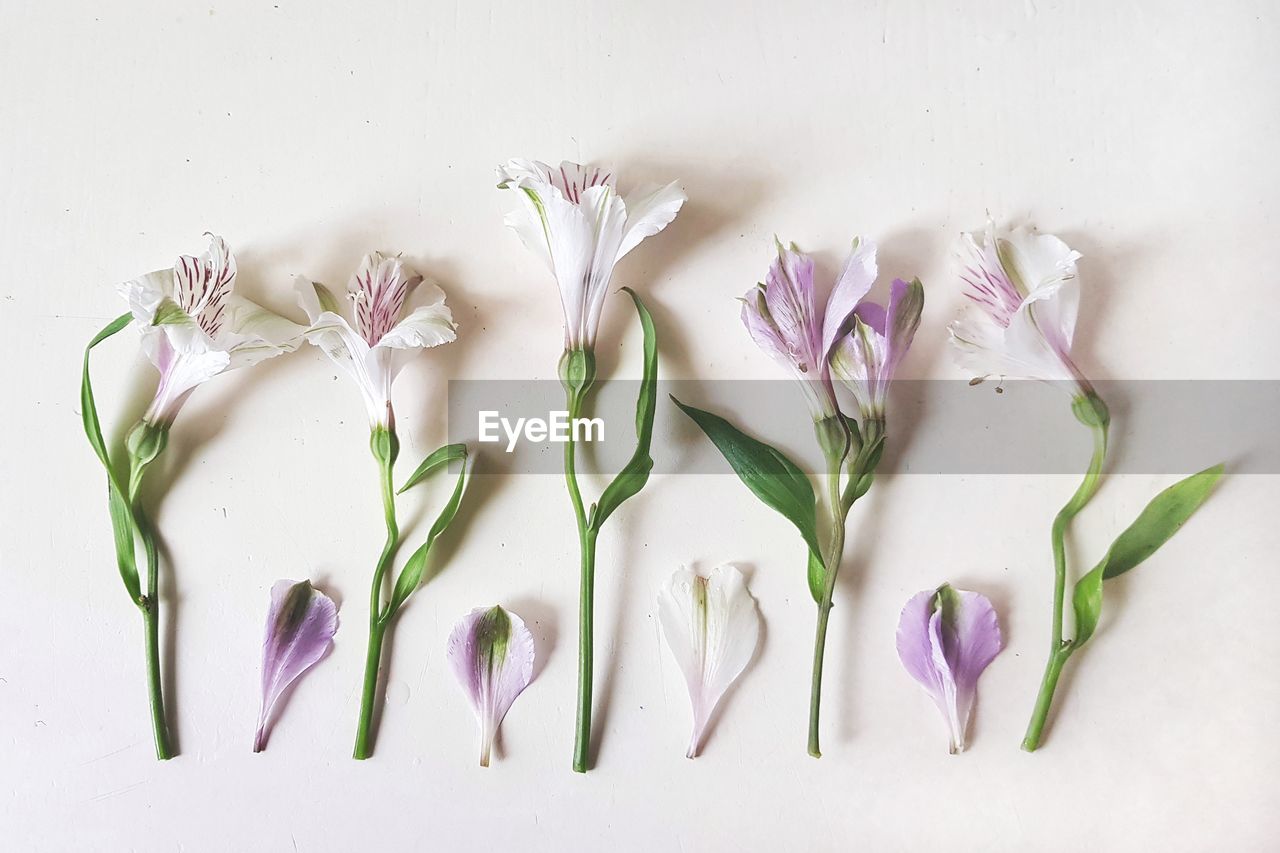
column 384, row 450
column 1060, row 650
column 149, row 606
column 835, row 552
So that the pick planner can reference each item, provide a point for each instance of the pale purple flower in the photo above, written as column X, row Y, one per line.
column 573, row 218
column 491, row 651
column 712, row 627
column 866, row 360
column 300, row 628
column 783, row 317
column 194, row 326
column 384, row 337
column 946, row 638
column 1025, row 295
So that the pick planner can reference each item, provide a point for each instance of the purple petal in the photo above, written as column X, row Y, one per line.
column 491, row 651
column 788, row 293
column 855, row 280
column 946, row 638
column 300, row 628
column 902, row 318
column 872, row 314
column 760, row 326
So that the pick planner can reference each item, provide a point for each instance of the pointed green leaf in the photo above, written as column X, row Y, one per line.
column 1161, row 518
column 411, row 575
column 122, row 521
column 633, row 476
column 767, row 472
column 438, row 458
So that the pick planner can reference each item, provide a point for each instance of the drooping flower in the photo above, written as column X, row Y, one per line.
column 491, row 651
column 946, row 638
column 573, row 218
column 867, row 358
column 783, row 317
column 383, row 338
column 712, row 627
column 1025, row 294
column 300, row 628
column 194, row 327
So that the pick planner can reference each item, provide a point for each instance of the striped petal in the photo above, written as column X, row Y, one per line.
column 946, row 638
column 491, row 651
column 712, row 627
column 300, row 628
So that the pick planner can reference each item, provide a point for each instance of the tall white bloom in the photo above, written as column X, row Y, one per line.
column 194, row 327
column 383, row 337
column 1025, row 294
column 573, row 218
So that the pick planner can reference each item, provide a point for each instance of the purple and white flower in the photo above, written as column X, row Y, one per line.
column 783, row 317
column 491, row 652
column 194, row 326
column 383, row 337
column 300, row 628
column 1025, row 295
column 573, row 218
column 946, row 638
column 866, row 360
column 712, row 627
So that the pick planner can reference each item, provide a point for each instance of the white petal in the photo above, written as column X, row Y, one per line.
column 370, row 369
column 711, row 626
column 252, row 333
column 606, row 216
column 428, row 325
column 648, row 212
column 144, row 294
column 181, row 368
column 1045, row 267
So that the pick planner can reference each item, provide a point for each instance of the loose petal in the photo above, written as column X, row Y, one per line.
column 491, row 651
column 712, row 627
column 300, row 628
column 946, row 638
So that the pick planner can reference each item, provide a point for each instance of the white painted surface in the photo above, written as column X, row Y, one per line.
column 1143, row 132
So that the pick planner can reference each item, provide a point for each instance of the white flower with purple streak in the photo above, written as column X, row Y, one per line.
column 383, row 337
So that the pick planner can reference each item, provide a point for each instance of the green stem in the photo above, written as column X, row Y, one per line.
column 1061, row 649
column 150, row 604
column 835, row 551
column 586, row 595
column 384, row 445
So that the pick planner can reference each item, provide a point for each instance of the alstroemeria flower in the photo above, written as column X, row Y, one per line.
column 711, row 626
column 573, row 218
column 194, row 327
column 384, row 338
column 300, row 628
column 491, row 651
column 946, row 638
column 783, row 317
column 866, row 360
column 1026, row 295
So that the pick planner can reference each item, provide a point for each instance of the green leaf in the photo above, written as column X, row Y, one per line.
column 437, row 459
column 123, row 525
column 1161, row 518
column 767, row 472
column 633, row 476
column 411, row 575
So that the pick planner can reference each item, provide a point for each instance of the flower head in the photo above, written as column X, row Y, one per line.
column 946, row 638
column 712, row 627
column 491, row 651
column 1025, row 295
column 381, row 338
column 573, row 218
column 783, row 317
column 194, row 327
column 867, row 358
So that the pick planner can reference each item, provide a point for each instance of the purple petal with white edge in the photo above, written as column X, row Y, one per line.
column 300, row 628
column 712, row 627
column 491, row 652
column 902, row 318
column 855, row 281
column 946, row 638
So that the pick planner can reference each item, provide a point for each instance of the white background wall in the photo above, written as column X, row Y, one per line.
column 1143, row 132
